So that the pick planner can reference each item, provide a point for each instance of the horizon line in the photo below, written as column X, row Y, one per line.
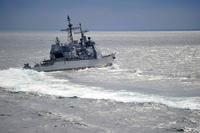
column 103, row 30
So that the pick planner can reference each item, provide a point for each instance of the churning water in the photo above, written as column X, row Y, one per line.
column 150, row 66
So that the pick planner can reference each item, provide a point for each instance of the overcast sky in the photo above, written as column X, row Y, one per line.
column 100, row 14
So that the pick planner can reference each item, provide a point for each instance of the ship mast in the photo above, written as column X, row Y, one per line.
column 83, row 37
column 81, row 31
column 70, row 29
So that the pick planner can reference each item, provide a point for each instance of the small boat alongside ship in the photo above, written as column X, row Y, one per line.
column 73, row 54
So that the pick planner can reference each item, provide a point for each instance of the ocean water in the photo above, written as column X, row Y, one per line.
column 151, row 66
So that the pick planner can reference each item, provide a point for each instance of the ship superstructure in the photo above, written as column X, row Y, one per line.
column 74, row 54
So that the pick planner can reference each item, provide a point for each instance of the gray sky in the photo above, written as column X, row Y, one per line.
column 100, row 14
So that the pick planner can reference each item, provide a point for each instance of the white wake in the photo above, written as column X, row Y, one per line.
column 32, row 81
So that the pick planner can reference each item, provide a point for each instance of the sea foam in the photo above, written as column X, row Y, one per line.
column 31, row 81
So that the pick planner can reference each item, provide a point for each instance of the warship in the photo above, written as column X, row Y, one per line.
column 73, row 54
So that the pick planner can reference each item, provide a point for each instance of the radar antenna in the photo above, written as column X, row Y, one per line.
column 83, row 37
column 69, row 30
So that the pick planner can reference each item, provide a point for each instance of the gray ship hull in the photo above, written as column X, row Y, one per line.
column 73, row 54
column 77, row 64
